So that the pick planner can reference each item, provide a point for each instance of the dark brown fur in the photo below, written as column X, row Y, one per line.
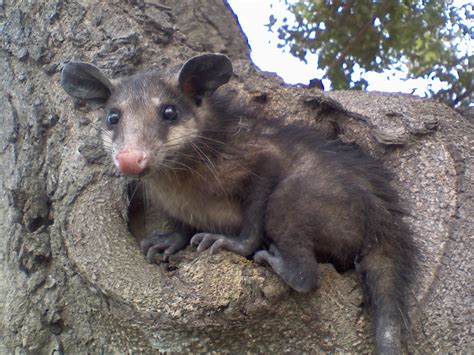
column 279, row 193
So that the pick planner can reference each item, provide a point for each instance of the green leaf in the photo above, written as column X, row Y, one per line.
column 430, row 37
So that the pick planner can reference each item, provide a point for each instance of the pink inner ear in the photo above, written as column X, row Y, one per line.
column 188, row 87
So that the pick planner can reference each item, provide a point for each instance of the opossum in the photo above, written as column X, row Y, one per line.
column 269, row 190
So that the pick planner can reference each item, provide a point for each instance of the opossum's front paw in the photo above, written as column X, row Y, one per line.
column 216, row 242
column 162, row 243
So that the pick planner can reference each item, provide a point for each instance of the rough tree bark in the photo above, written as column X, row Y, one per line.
column 72, row 276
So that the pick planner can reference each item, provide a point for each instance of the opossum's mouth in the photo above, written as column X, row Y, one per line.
column 142, row 175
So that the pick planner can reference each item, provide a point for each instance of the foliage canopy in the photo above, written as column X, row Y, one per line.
column 429, row 37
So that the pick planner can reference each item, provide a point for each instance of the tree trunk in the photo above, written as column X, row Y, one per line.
column 73, row 277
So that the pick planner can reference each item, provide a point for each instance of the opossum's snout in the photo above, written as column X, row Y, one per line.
column 132, row 162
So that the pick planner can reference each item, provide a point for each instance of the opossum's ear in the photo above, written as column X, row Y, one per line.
column 86, row 82
column 202, row 75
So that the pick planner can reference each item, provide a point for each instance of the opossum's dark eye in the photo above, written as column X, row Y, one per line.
column 169, row 113
column 112, row 118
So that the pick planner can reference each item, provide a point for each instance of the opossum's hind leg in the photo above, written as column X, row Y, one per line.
column 297, row 267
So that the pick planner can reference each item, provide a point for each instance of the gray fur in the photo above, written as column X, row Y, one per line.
column 276, row 192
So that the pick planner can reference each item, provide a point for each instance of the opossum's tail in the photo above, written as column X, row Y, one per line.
column 387, row 265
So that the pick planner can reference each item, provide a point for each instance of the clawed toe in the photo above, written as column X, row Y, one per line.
column 300, row 273
column 217, row 242
column 262, row 257
column 162, row 243
column 205, row 241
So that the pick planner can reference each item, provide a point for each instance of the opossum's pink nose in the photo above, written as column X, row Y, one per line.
column 131, row 162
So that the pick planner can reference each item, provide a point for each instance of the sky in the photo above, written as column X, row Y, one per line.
column 253, row 16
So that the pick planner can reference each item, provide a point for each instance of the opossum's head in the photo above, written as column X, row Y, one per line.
column 151, row 118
